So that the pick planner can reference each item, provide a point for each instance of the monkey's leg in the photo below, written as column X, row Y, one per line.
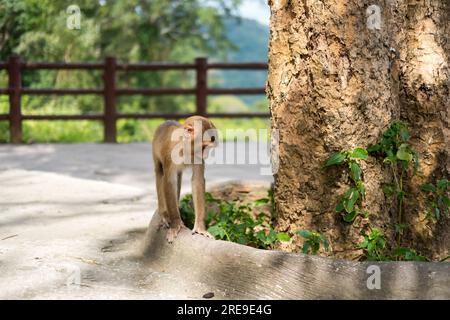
column 179, row 179
column 170, row 193
column 198, row 194
column 162, row 210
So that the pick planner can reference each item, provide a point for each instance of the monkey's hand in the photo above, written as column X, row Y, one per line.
column 173, row 232
column 202, row 232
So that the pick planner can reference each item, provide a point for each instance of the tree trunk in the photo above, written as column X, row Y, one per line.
column 425, row 99
column 336, row 81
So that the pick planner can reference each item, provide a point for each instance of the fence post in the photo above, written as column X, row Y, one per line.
column 15, row 87
column 110, row 114
column 202, row 85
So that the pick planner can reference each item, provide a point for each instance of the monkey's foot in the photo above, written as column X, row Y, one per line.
column 202, row 232
column 172, row 233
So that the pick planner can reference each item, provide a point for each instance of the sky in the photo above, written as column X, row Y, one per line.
column 256, row 9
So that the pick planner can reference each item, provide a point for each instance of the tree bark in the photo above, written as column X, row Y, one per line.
column 336, row 83
column 424, row 82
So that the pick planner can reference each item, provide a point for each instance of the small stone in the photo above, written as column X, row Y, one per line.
column 208, row 295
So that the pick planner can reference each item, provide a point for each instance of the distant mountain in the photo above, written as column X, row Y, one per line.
column 251, row 39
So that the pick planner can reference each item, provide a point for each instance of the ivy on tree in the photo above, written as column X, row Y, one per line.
column 398, row 154
column 438, row 201
column 351, row 202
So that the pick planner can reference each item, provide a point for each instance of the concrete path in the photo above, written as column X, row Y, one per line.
column 72, row 218
column 128, row 164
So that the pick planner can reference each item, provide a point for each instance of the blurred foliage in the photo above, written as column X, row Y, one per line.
column 132, row 31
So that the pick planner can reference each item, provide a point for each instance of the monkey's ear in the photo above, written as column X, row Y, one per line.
column 188, row 130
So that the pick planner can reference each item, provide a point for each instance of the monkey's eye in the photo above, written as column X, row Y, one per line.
column 213, row 138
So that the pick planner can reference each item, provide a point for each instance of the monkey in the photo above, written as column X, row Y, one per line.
column 174, row 148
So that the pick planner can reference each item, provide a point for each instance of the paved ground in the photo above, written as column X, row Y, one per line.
column 128, row 164
column 71, row 220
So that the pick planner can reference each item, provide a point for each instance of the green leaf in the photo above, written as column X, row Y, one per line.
column 350, row 217
column 390, row 156
column 364, row 244
column 407, row 254
column 374, row 148
column 261, row 235
column 262, row 201
column 306, row 247
column 350, row 200
column 315, row 248
column 355, row 171
column 404, row 134
column 283, row 236
column 403, row 153
column 304, row 233
column 242, row 239
column 428, row 187
column 361, row 188
column 446, row 201
column 389, row 189
column 335, row 159
column 339, row 207
column 442, row 184
column 272, row 236
column 216, row 230
column 359, row 153
column 400, row 251
column 210, row 199
column 382, row 243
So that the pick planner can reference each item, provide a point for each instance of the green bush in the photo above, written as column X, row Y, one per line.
column 235, row 222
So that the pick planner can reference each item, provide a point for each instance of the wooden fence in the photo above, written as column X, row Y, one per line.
column 110, row 115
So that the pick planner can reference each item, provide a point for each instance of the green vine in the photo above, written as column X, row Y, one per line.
column 313, row 241
column 438, row 199
column 351, row 201
column 399, row 155
column 403, row 162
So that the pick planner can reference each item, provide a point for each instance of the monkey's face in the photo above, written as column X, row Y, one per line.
column 202, row 134
column 209, row 141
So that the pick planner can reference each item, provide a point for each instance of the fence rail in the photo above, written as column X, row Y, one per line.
column 110, row 92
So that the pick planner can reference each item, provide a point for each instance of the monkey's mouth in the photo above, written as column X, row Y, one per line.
column 205, row 150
